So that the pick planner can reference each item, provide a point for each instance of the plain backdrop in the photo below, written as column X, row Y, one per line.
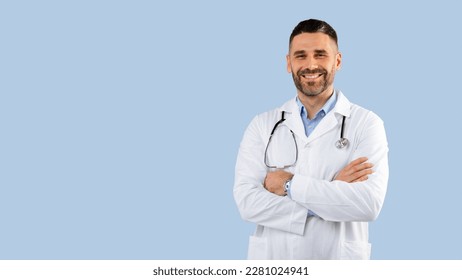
column 120, row 121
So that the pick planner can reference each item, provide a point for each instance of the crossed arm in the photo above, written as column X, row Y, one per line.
column 356, row 171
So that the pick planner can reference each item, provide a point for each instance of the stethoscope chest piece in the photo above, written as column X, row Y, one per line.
column 341, row 143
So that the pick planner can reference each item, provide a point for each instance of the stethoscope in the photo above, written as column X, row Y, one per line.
column 341, row 143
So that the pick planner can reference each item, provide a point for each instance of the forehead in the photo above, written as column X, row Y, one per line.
column 312, row 41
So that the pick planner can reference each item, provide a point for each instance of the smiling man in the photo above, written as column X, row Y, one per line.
column 312, row 173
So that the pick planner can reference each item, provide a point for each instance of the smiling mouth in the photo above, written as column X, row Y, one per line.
column 312, row 76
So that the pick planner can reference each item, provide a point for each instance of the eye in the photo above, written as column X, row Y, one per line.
column 300, row 56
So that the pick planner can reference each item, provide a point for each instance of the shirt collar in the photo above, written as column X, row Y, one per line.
column 328, row 106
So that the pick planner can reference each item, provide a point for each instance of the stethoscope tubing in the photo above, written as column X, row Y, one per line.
column 340, row 143
column 343, row 127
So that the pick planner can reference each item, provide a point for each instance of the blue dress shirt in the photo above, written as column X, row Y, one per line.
column 310, row 125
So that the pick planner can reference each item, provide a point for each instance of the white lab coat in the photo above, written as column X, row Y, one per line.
column 284, row 230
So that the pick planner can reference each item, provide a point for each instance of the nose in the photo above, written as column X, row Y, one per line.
column 310, row 63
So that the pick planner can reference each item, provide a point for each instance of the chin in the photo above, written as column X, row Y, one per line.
column 312, row 93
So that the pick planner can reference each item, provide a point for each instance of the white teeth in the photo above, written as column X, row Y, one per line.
column 311, row 76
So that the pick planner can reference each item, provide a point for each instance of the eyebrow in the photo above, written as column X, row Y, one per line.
column 318, row 51
column 299, row 52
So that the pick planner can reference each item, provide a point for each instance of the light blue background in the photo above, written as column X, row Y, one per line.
column 120, row 121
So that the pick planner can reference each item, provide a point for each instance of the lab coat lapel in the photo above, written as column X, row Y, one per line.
column 293, row 120
column 328, row 123
column 333, row 118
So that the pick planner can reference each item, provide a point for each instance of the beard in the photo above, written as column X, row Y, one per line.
column 314, row 88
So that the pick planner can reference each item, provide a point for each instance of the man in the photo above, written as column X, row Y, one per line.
column 312, row 173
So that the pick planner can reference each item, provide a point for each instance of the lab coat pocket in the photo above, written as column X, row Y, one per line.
column 258, row 248
column 354, row 250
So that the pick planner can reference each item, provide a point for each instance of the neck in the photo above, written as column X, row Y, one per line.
column 314, row 103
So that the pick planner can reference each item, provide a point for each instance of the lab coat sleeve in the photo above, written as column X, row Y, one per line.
column 345, row 202
column 254, row 202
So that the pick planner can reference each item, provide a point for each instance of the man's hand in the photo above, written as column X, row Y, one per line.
column 356, row 171
column 274, row 181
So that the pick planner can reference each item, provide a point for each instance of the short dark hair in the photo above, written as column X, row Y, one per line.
column 313, row 26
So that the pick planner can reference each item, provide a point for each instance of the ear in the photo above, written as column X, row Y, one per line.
column 338, row 61
column 289, row 66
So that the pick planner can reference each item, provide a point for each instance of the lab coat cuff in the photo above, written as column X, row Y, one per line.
column 298, row 188
column 300, row 191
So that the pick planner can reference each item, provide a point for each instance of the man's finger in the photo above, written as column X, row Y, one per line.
column 363, row 178
column 360, row 174
column 359, row 160
column 362, row 166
